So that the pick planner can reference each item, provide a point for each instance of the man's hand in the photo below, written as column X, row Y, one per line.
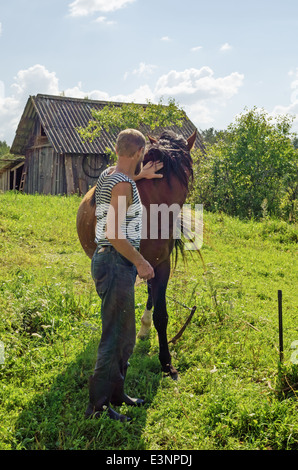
column 149, row 171
column 145, row 270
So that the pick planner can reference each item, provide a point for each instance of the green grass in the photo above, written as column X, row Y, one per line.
column 233, row 393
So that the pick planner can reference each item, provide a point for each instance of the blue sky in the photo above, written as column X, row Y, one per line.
column 215, row 58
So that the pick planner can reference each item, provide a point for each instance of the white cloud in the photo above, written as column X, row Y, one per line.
column 292, row 107
column 203, row 115
column 140, row 95
column 87, row 7
column 36, row 79
column 196, row 48
column 225, row 47
column 143, row 70
column 165, row 38
column 77, row 92
column 2, row 91
column 199, row 92
column 192, row 85
column 104, row 20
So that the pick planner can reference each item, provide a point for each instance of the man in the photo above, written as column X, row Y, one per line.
column 114, row 266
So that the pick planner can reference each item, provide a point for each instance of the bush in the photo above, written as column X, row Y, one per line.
column 251, row 170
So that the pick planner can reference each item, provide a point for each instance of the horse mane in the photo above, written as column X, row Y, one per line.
column 171, row 149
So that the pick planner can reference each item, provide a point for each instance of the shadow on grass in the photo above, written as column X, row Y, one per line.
column 54, row 420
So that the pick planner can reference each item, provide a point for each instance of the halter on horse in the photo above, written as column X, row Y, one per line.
column 174, row 152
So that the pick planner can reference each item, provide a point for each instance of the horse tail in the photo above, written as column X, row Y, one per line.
column 184, row 244
column 92, row 200
column 179, row 249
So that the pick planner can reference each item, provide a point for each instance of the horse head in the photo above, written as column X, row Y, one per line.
column 174, row 151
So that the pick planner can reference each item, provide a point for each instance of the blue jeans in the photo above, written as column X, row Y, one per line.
column 114, row 277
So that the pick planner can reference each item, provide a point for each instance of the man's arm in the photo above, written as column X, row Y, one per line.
column 120, row 200
column 149, row 171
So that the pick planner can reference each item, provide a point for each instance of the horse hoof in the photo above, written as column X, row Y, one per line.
column 171, row 371
column 174, row 374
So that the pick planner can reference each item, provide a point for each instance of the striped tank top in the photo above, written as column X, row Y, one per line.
column 132, row 224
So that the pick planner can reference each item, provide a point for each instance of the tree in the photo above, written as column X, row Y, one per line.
column 211, row 135
column 295, row 141
column 114, row 118
column 4, row 148
column 253, row 168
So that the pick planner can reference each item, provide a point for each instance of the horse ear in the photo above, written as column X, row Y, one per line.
column 191, row 140
column 152, row 140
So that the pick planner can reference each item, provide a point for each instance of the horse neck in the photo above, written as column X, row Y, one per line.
column 162, row 191
column 159, row 191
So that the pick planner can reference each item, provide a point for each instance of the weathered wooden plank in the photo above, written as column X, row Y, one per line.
column 28, row 182
column 47, row 162
column 69, row 174
column 60, row 175
column 39, row 175
column 83, row 186
column 5, row 181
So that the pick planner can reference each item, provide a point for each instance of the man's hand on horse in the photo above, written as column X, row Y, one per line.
column 149, row 171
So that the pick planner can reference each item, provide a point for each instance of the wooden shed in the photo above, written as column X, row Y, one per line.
column 53, row 158
column 11, row 169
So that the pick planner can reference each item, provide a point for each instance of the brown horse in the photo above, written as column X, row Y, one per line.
column 174, row 152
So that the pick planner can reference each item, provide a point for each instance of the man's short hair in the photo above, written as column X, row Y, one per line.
column 129, row 142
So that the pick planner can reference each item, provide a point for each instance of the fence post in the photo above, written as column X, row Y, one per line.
column 281, row 345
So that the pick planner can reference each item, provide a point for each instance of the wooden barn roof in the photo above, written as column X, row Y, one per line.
column 60, row 116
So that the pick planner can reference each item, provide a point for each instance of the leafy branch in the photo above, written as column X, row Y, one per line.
column 115, row 117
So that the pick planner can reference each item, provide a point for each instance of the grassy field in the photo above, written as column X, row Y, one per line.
column 233, row 393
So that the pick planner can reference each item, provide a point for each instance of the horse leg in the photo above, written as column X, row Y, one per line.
column 160, row 315
column 146, row 320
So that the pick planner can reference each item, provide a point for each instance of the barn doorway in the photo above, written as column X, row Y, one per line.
column 15, row 176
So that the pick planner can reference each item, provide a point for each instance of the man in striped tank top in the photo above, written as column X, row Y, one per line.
column 114, row 266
